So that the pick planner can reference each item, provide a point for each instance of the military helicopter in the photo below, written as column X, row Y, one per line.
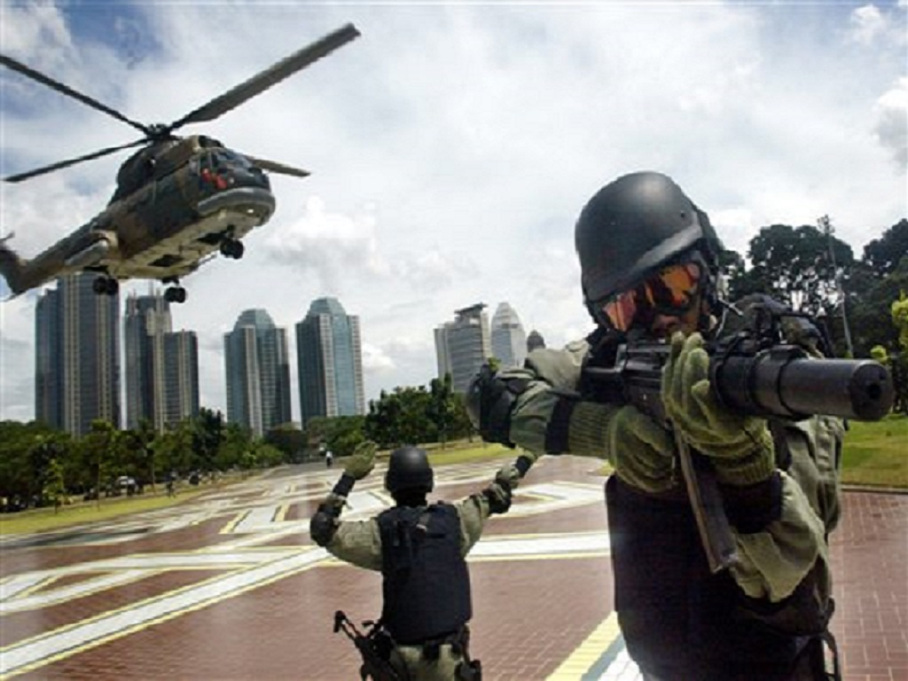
column 178, row 199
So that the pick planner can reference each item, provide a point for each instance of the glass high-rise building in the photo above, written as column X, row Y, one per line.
column 462, row 346
column 258, row 373
column 509, row 340
column 162, row 370
column 77, row 356
column 329, row 361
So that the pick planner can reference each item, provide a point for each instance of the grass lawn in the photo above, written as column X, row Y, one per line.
column 876, row 454
column 43, row 519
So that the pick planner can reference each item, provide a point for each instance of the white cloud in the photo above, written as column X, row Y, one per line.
column 891, row 126
column 453, row 146
column 867, row 24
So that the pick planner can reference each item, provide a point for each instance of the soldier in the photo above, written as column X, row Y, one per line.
column 650, row 270
column 420, row 549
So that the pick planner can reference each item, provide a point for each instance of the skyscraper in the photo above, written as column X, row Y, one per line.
column 258, row 373
column 509, row 340
column 462, row 346
column 330, row 362
column 77, row 355
column 181, row 376
column 162, row 374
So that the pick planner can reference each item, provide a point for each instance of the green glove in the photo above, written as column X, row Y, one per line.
column 740, row 446
column 362, row 461
column 641, row 451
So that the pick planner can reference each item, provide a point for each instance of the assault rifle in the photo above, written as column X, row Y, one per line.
column 755, row 372
column 373, row 646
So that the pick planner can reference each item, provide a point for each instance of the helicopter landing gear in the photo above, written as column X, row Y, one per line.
column 232, row 248
column 175, row 294
column 105, row 285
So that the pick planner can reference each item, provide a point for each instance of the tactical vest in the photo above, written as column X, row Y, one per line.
column 426, row 584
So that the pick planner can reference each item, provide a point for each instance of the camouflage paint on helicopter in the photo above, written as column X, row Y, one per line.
column 177, row 201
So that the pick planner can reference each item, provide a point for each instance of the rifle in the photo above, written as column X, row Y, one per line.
column 371, row 646
column 754, row 372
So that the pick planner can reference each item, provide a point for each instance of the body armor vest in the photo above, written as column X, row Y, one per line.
column 426, row 584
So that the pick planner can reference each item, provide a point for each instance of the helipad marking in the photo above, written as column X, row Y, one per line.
column 601, row 657
column 94, row 631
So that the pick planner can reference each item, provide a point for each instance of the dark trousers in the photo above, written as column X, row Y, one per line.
column 678, row 620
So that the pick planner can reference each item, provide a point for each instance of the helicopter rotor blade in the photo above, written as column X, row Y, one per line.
column 73, row 161
column 275, row 167
column 270, row 76
column 69, row 92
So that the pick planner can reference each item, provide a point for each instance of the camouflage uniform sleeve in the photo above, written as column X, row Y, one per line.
column 775, row 561
column 473, row 513
column 357, row 542
column 557, row 375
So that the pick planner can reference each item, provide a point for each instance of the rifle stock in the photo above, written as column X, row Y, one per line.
column 374, row 666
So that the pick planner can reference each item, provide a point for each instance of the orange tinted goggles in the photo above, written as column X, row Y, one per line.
column 670, row 290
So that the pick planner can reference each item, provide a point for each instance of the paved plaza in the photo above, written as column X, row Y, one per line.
column 228, row 585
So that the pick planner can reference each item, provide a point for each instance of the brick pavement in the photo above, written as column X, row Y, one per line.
column 229, row 586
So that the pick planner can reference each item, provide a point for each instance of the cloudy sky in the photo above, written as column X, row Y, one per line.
column 453, row 145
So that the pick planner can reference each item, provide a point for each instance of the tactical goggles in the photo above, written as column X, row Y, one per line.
column 671, row 290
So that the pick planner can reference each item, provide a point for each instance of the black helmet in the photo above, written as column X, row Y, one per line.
column 409, row 469
column 633, row 226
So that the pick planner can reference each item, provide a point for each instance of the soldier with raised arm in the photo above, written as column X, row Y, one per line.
column 420, row 548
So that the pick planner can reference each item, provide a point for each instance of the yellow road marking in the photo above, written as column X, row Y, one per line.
column 587, row 653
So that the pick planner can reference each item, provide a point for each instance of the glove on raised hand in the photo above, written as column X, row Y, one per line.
column 740, row 447
column 499, row 497
column 640, row 450
column 362, row 461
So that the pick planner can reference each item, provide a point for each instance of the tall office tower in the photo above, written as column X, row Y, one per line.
column 330, row 362
column 462, row 346
column 258, row 373
column 181, row 376
column 534, row 340
column 77, row 358
column 162, row 383
column 48, row 361
column 509, row 340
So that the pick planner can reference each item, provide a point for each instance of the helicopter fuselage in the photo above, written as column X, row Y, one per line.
column 176, row 203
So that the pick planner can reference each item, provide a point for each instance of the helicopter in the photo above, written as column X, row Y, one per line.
column 178, row 200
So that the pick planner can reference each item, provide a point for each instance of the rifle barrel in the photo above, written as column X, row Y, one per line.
column 779, row 382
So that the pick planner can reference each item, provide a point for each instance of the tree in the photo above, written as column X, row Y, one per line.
column 794, row 266
column 340, row 434
column 883, row 254
column 401, row 417
column 207, row 436
column 99, row 453
column 54, row 490
column 289, row 440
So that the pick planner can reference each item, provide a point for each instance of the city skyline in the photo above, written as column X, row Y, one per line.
column 159, row 366
column 431, row 147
